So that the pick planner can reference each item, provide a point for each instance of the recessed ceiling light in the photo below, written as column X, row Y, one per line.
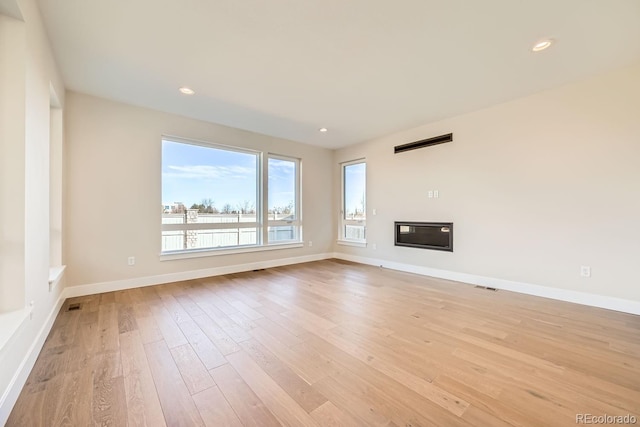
column 187, row 90
column 323, row 129
column 542, row 45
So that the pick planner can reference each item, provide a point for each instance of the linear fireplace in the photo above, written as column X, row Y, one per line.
column 425, row 235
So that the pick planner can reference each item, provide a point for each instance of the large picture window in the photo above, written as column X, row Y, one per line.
column 354, row 205
column 216, row 197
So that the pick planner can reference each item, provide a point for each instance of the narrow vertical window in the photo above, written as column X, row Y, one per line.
column 283, row 217
column 354, row 202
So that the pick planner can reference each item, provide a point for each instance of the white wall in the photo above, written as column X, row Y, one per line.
column 12, row 161
column 25, row 84
column 113, row 160
column 536, row 188
column 56, row 184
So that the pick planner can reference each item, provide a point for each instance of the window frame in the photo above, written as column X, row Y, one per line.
column 261, row 224
column 344, row 222
column 297, row 222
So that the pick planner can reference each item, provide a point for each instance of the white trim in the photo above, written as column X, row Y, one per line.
column 198, row 253
column 354, row 243
column 11, row 322
column 55, row 275
column 138, row 282
column 210, row 226
column 11, row 393
column 593, row 300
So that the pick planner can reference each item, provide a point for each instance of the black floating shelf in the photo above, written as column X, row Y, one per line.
column 423, row 143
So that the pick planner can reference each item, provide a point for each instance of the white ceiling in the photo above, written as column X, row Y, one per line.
column 361, row 68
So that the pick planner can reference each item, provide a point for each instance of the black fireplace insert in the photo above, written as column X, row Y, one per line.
column 425, row 235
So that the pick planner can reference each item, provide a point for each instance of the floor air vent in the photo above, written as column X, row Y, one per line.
column 74, row 307
column 487, row 288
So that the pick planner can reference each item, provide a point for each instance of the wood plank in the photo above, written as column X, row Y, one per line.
column 84, row 347
column 64, row 332
column 329, row 415
column 126, row 319
column 299, row 390
column 172, row 334
column 189, row 305
column 141, row 308
column 351, row 403
column 75, row 409
column 391, row 398
column 177, row 405
column 194, row 374
column 215, row 410
column 108, row 327
column 109, row 403
column 178, row 314
column 305, row 362
column 51, row 363
column 202, row 345
column 142, row 399
column 107, row 298
column 29, row 411
column 425, row 388
column 149, row 330
column 249, row 408
column 246, row 310
column 219, row 303
column 280, row 333
column 231, row 328
column 274, row 397
column 216, row 334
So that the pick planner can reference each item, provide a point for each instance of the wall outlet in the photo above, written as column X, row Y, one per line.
column 585, row 271
column 374, row 246
column 31, row 307
column 310, row 243
column 375, row 211
column 430, row 194
column 131, row 260
column 436, row 194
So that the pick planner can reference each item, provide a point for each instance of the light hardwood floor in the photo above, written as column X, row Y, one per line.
column 330, row 343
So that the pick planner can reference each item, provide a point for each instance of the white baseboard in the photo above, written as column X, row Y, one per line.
column 118, row 285
column 593, row 300
column 11, row 393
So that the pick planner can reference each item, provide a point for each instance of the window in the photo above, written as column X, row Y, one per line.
column 283, row 217
column 216, row 197
column 354, row 207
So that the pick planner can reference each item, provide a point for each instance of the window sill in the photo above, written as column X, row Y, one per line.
column 199, row 253
column 11, row 323
column 352, row 243
column 55, row 274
